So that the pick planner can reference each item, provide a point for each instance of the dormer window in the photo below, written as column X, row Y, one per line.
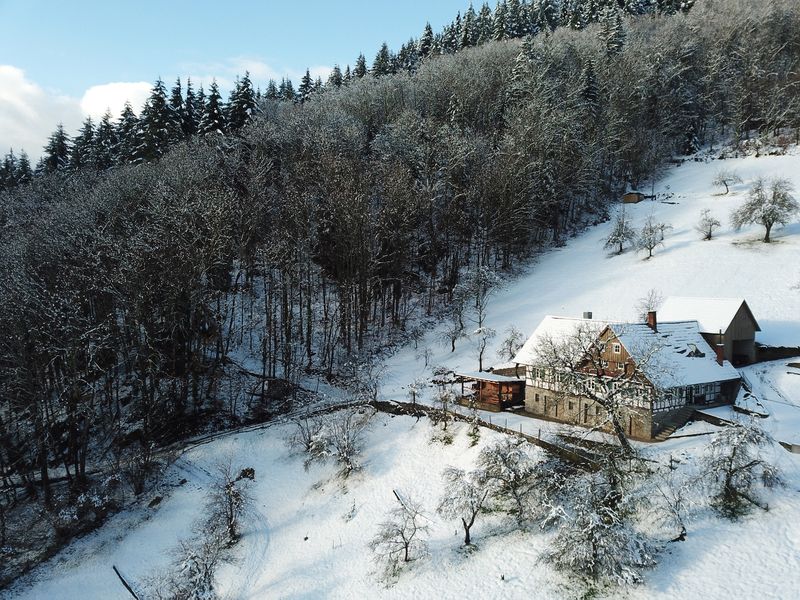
column 616, row 348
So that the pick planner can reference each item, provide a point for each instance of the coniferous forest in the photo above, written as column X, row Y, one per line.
column 157, row 269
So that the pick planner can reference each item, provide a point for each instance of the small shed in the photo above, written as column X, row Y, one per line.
column 725, row 321
column 632, row 197
column 490, row 391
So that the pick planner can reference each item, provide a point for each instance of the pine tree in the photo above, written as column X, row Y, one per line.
column 272, row 90
column 306, row 87
column 360, row 69
column 469, row 32
column 213, row 116
column 499, row 29
column 158, row 127
column 105, row 144
column 484, row 24
column 348, row 76
column 24, row 172
column 591, row 11
column 242, row 104
column 426, row 41
column 8, row 171
column 335, row 78
column 177, row 112
column 516, row 24
column 200, row 108
column 382, row 65
column 190, row 120
column 546, row 17
column 286, row 90
column 56, row 152
column 612, row 31
column 126, row 134
column 82, row 147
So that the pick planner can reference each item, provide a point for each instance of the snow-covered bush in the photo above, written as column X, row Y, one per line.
column 307, row 438
column 595, row 537
column 344, row 433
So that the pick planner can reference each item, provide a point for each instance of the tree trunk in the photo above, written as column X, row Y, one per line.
column 467, row 539
column 768, row 227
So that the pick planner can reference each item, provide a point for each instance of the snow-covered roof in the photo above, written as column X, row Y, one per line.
column 712, row 314
column 675, row 355
column 486, row 376
column 557, row 329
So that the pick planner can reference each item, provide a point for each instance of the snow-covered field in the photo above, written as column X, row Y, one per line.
column 309, row 534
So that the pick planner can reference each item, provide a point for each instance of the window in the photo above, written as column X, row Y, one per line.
column 536, row 397
column 621, row 366
column 616, row 348
column 597, row 410
column 570, row 405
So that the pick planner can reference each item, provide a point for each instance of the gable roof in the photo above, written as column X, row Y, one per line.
column 712, row 314
column 556, row 328
column 676, row 355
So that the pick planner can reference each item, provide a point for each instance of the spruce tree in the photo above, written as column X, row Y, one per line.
column 382, row 64
column 24, row 172
column 177, row 111
column 546, row 15
column 82, row 147
column 199, row 108
column 190, row 121
column 213, row 116
column 426, row 41
column 360, row 69
column 8, row 171
column 56, row 152
column 485, row 24
column 286, row 90
column 158, row 128
column 499, row 28
column 335, row 78
column 516, row 23
column 348, row 76
column 242, row 104
column 272, row 90
column 105, row 144
column 612, row 31
column 306, row 87
column 469, row 33
column 126, row 135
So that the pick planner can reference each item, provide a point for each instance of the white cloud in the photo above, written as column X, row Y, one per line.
column 112, row 96
column 29, row 114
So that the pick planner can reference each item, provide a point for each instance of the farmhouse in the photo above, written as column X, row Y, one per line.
column 654, row 374
column 726, row 321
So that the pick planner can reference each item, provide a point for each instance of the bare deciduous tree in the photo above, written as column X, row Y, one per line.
column 621, row 234
column 400, row 538
column 726, row 178
column 707, row 224
column 768, row 204
column 734, row 468
column 463, row 498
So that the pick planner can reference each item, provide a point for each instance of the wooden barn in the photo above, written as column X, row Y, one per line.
column 725, row 321
column 632, row 197
column 489, row 391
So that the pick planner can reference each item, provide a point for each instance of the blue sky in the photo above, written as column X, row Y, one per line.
column 61, row 60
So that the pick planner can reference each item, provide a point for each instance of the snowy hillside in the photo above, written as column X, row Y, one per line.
column 309, row 533
column 582, row 276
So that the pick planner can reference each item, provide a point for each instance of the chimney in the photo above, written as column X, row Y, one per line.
column 652, row 322
column 587, row 315
column 720, row 350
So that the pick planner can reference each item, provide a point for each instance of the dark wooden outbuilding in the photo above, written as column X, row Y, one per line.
column 489, row 391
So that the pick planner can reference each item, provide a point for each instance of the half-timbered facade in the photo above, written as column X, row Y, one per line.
column 650, row 371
